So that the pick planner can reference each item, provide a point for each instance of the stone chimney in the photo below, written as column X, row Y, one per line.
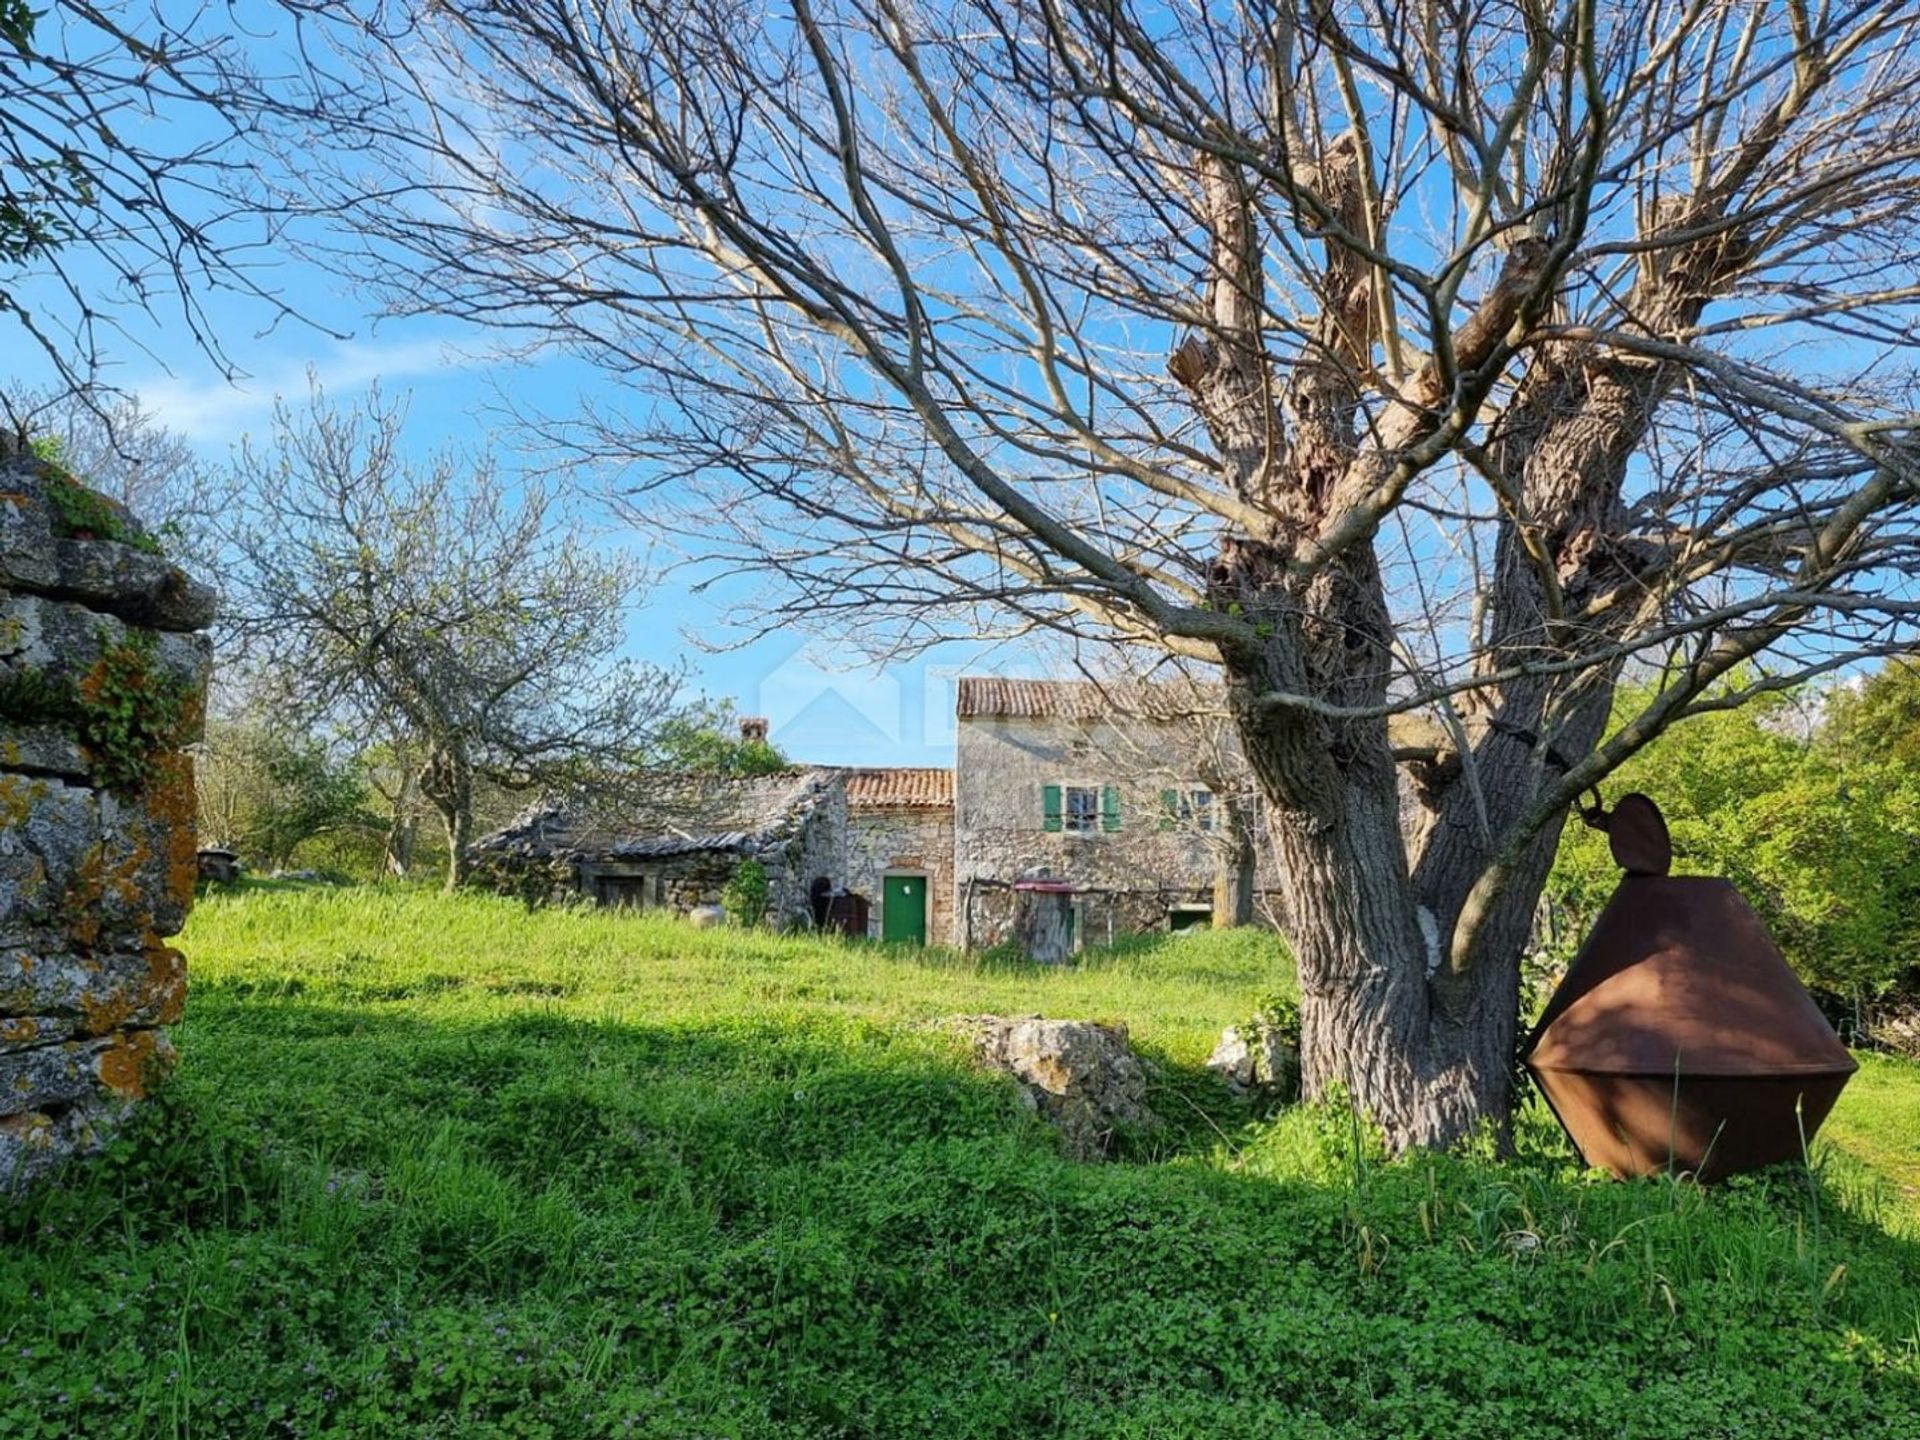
column 753, row 728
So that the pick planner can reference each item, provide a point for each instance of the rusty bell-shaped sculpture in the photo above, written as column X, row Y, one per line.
column 1680, row 1039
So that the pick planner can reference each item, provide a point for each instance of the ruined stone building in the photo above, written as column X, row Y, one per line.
column 1063, row 797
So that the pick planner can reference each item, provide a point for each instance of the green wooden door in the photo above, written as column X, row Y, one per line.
column 903, row 909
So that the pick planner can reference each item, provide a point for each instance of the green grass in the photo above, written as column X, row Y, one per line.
column 440, row 1167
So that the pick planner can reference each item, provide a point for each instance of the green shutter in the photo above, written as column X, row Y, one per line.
column 1050, row 807
column 1169, row 808
column 1109, row 807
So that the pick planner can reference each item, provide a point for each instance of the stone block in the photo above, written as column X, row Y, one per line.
column 102, row 868
column 135, row 585
column 26, row 534
column 41, row 750
column 70, row 1072
column 63, row 640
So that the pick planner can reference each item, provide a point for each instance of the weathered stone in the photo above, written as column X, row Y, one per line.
column 135, row 585
column 41, row 750
column 706, row 917
column 26, row 534
column 1260, row 1063
column 104, row 867
column 70, row 1071
column 97, row 858
column 1081, row 1075
column 63, row 641
column 95, row 993
column 35, row 1142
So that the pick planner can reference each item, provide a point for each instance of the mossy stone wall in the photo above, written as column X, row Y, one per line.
column 103, row 672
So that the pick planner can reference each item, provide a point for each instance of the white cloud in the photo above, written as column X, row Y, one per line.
column 211, row 412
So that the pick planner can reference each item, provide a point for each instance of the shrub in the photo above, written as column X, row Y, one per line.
column 747, row 895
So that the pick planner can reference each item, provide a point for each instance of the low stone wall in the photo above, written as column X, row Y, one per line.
column 103, row 677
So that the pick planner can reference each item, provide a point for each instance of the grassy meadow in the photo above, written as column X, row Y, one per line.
column 444, row 1167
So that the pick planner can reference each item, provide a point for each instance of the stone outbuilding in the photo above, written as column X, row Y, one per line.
column 1088, row 800
column 665, row 840
column 1075, row 813
column 900, row 851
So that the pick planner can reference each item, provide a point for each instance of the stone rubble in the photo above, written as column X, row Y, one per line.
column 1260, row 1065
column 1081, row 1075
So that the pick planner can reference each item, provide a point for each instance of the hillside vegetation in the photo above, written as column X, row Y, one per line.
column 441, row 1167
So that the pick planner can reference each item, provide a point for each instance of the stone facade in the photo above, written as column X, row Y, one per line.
column 1026, row 752
column 895, row 841
column 674, row 842
column 103, row 674
column 1133, row 865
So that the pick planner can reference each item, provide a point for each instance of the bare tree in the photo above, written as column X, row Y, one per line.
column 118, row 447
column 440, row 602
column 128, row 179
column 1403, row 357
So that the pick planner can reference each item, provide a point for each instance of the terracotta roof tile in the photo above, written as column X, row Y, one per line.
column 902, row 787
column 983, row 696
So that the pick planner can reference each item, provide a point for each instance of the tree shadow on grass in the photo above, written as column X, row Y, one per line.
column 758, row 1227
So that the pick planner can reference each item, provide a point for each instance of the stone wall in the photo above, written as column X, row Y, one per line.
column 1129, row 878
column 903, row 840
column 808, row 842
column 103, row 674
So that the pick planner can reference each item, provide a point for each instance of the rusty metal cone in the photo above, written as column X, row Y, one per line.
column 1680, row 1040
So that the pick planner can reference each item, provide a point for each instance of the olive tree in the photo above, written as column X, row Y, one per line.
column 1404, row 357
column 438, row 601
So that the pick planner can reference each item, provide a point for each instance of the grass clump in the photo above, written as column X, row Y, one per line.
column 444, row 1167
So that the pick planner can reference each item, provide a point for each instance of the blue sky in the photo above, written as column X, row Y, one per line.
column 825, row 704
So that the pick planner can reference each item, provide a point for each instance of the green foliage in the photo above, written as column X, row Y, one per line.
column 31, row 697
column 268, row 794
column 128, row 710
column 1279, row 1014
column 747, row 894
column 17, row 19
column 437, row 1166
column 78, row 512
column 1880, row 719
column 1823, row 839
column 705, row 739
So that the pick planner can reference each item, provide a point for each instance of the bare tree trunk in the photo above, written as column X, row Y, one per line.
column 447, row 782
column 403, row 829
column 1235, row 873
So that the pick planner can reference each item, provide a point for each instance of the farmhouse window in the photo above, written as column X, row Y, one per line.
column 1080, row 809
column 1192, row 809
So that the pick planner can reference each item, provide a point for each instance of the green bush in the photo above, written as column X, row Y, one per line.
column 747, row 895
column 1823, row 839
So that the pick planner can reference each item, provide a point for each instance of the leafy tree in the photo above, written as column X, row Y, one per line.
column 1881, row 717
column 1823, row 839
column 264, row 793
column 1396, row 356
column 705, row 739
column 436, row 601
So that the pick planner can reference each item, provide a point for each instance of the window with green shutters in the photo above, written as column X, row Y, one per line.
column 1191, row 808
column 1079, row 809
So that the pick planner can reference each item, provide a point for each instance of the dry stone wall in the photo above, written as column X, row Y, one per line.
column 103, row 670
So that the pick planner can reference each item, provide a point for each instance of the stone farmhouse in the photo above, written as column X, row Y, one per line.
column 1065, row 800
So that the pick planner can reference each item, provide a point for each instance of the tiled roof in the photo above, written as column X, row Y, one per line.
column 657, row 812
column 983, row 696
column 899, row 787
